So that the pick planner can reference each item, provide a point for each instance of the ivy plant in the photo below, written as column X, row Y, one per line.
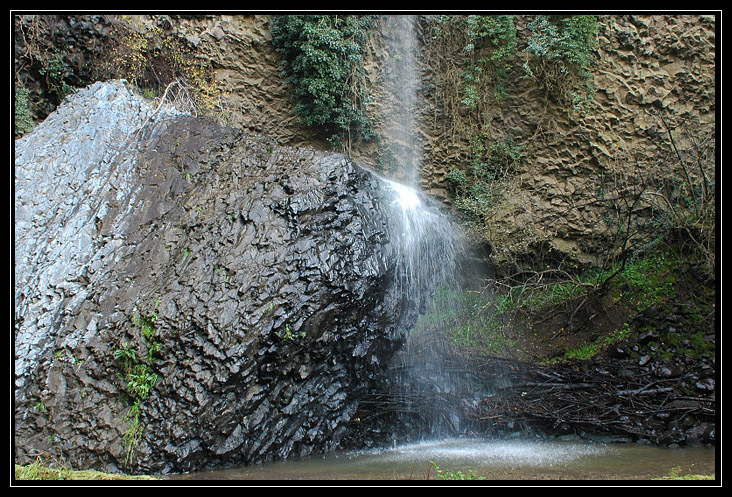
column 491, row 48
column 563, row 49
column 323, row 61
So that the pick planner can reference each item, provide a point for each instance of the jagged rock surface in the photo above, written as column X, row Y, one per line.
column 265, row 274
column 646, row 65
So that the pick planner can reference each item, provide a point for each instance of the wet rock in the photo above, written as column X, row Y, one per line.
column 706, row 384
column 256, row 282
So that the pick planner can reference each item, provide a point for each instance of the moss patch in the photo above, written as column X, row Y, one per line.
column 37, row 471
column 579, row 318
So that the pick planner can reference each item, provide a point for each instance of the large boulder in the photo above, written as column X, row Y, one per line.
column 189, row 297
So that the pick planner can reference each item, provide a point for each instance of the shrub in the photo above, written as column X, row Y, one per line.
column 323, row 58
column 156, row 61
column 492, row 48
column 479, row 188
column 56, row 73
column 23, row 119
column 563, row 49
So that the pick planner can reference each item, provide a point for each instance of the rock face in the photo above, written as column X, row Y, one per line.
column 190, row 297
column 647, row 66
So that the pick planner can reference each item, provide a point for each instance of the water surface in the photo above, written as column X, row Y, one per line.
column 491, row 459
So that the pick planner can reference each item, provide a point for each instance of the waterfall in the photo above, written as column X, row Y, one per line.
column 429, row 243
column 401, row 84
column 429, row 383
column 431, row 380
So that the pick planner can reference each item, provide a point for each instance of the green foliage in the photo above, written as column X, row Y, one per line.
column 563, row 48
column 693, row 345
column 582, row 352
column 138, row 376
column 23, row 119
column 560, row 48
column 487, row 52
column 140, row 381
column 324, row 61
column 39, row 471
column 643, row 281
column 455, row 475
column 493, row 38
column 146, row 324
column 467, row 318
column 479, row 188
column 675, row 473
column 648, row 280
column 127, row 355
column 559, row 57
column 491, row 48
column 56, row 72
column 568, row 40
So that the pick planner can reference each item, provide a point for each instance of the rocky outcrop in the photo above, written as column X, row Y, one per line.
column 188, row 296
column 647, row 67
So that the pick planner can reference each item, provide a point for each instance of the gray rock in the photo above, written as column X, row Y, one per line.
column 265, row 287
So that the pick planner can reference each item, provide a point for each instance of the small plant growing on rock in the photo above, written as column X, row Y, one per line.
column 139, row 378
column 23, row 119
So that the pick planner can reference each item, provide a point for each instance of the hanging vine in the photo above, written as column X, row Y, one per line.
column 324, row 62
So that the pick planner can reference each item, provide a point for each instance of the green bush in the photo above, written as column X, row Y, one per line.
column 492, row 48
column 324, row 62
column 23, row 119
column 56, row 72
column 487, row 49
column 563, row 49
column 467, row 319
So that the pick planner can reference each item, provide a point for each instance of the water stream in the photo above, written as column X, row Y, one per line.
column 428, row 385
column 401, row 84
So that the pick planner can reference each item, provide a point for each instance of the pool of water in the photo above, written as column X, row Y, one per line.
column 491, row 459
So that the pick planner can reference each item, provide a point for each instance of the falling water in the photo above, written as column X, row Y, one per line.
column 429, row 245
column 422, row 240
column 430, row 384
column 401, row 84
column 431, row 249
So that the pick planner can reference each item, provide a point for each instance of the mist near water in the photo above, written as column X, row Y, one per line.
column 429, row 387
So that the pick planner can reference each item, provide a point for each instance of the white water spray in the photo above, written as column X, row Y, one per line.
column 407, row 197
column 432, row 248
column 401, row 84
